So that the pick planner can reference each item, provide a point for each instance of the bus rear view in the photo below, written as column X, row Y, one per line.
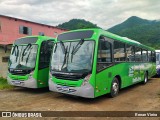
column 29, row 62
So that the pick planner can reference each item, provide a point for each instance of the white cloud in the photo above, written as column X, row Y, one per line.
column 104, row 13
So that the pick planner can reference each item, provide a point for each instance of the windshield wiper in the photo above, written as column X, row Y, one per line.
column 55, row 48
column 17, row 51
column 76, row 48
column 65, row 51
column 28, row 55
column 63, row 47
column 24, row 51
column 14, row 49
column 65, row 57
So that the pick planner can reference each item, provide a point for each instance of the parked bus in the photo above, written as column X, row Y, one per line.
column 93, row 62
column 158, row 62
column 29, row 62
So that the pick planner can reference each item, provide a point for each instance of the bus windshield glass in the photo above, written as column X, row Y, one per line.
column 23, row 56
column 73, row 57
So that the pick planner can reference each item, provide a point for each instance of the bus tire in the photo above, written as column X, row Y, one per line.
column 145, row 78
column 114, row 87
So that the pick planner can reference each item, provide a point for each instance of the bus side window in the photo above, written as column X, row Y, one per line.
column 153, row 56
column 130, row 50
column 45, row 53
column 138, row 54
column 119, row 51
column 104, row 54
column 149, row 56
column 157, row 58
column 144, row 55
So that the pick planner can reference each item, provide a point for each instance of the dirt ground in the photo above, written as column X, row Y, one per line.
column 135, row 98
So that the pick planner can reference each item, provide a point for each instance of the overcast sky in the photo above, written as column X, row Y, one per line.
column 104, row 13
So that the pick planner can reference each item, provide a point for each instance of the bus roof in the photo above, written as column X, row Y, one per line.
column 31, row 39
column 158, row 51
column 38, row 36
column 98, row 32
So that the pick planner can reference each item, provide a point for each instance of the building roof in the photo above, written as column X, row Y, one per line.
column 8, row 40
column 5, row 42
column 32, row 22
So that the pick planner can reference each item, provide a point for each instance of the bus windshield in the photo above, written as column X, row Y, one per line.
column 23, row 56
column 72, row 57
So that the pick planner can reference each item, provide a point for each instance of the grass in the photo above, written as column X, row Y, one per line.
column 4, row 84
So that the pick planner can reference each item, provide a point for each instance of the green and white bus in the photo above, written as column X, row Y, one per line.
column 29, row 62
column 93, row 62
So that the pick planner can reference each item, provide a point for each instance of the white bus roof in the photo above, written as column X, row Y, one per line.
column 157, row 50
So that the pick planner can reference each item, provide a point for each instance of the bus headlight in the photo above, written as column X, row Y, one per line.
column 31, row 74
column 86, row 79
column 158, row 67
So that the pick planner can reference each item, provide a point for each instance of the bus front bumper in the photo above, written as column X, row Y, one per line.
column 30, row 83
column 86, row 91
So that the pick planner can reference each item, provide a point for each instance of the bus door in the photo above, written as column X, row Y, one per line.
column 44, row 61
column 104, row 61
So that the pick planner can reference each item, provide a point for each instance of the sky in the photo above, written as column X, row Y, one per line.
column 104, row 13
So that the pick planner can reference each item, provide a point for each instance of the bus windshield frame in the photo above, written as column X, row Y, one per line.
column 23, row 56
column 73, row 57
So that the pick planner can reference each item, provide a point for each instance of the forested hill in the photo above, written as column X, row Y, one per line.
column 77, row 24
column 142, row 30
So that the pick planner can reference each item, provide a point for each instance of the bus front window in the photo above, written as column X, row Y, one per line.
column 23, row 56
column 73, row 57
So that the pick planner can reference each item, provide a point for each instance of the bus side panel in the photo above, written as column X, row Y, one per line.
column 102, row 84
column 105, row 77
column 129, row 74
column 152, row 70
column 136, row 72
column 42, row 79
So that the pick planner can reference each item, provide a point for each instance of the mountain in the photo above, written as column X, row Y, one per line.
column 142, row 30
column 77, row 24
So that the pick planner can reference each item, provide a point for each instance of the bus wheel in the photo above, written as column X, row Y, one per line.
column 145, row 78
column 114, row 88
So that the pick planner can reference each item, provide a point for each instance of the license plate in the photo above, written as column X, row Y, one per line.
column 19, row 83
column 65, row 88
